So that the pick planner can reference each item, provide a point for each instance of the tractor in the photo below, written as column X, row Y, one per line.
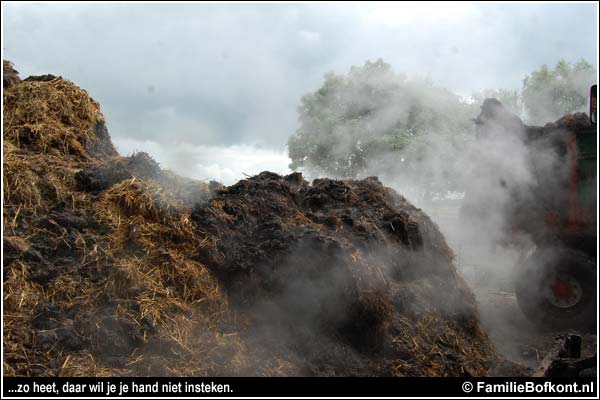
column 556, row 277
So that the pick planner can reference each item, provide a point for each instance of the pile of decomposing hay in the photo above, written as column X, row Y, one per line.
column 574, row 122
column 99, row 276
column 113, row 266
column 10, row 75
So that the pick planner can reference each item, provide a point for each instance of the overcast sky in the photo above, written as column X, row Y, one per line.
column 211, row 90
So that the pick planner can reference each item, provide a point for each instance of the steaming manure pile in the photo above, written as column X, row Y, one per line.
column 113, row 266
column 341, row 278
column 99, row 276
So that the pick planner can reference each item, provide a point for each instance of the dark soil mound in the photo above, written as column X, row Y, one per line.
column 347, row 271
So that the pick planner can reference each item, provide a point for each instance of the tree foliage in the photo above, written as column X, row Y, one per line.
column 374, row 121
column 548, row 94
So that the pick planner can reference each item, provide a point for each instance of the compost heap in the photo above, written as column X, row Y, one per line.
column 113, row 266
column 10, row 75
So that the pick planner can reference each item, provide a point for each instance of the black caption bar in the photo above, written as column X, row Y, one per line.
column 298, row 387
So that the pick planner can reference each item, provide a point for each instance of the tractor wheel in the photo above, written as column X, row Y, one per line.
column 556, row 289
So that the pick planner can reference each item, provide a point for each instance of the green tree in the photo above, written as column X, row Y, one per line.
column 548, row 94
column 374, row 121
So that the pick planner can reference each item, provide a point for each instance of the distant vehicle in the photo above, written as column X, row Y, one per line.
column 555, row 280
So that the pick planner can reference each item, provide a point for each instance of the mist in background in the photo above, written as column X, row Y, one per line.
column 223, row 81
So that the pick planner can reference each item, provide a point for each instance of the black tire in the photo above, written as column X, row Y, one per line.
column 537, row 276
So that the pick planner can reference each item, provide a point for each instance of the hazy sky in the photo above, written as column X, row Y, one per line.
column 211, row 90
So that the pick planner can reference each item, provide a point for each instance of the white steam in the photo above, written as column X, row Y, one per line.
column 224, row 164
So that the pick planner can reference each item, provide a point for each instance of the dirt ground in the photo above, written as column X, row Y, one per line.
column 514, row 336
